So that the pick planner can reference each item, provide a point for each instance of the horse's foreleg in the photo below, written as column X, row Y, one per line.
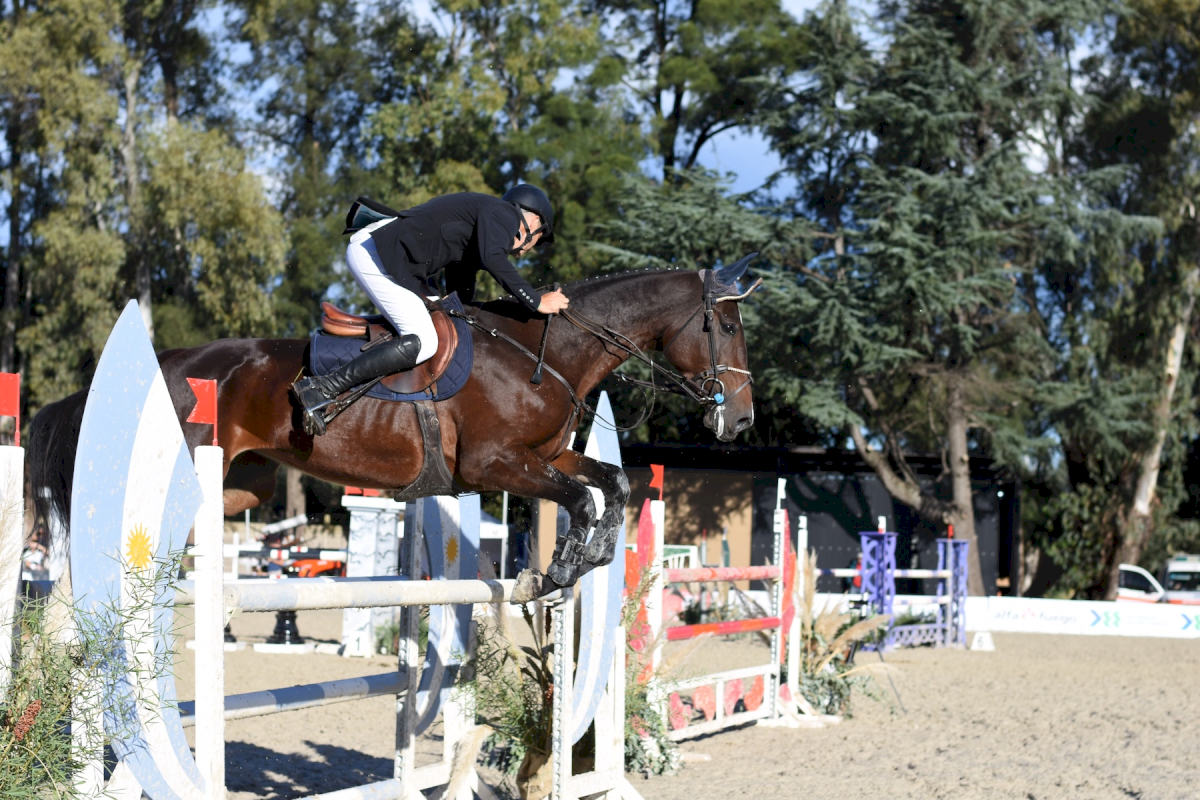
column 525, row 474
column 249, row 482
column 613, row 484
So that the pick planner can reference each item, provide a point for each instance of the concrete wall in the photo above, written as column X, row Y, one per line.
column 697, row 500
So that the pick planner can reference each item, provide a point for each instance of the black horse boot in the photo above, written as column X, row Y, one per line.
column 567, row 559
column 315, row 393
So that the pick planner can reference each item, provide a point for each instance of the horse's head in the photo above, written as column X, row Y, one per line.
column 709, row 348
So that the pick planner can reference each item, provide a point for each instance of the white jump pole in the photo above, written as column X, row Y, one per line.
column 12, row 543
column 209, row 622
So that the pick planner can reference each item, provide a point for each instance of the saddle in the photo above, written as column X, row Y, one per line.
column 375, row 328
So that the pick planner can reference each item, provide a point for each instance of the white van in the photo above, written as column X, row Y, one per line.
column 1138, row 586
column 1181, row 576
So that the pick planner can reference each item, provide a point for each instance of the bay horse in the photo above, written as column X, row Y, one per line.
column 499, row 432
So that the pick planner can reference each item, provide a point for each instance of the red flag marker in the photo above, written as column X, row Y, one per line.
column 656, row 479
column 205, row 412
column 10, row 401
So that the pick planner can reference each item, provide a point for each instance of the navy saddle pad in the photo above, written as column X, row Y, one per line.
column 327, row 353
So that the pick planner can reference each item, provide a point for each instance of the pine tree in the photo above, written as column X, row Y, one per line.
column 693, row 221
column 923, row 336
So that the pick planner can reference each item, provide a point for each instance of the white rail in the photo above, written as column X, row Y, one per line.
column 306, row 594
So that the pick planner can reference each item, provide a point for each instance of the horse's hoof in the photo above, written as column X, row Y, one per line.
column 600, row 550
column 528, row 587
column 562, row 574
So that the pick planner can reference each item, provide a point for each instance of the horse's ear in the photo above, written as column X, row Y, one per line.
column 727, row 276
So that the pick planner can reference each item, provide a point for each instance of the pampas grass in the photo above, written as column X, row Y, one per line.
column 828, row 638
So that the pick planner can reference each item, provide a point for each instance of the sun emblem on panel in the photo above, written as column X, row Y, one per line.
column 137, row 548
column 451, row 550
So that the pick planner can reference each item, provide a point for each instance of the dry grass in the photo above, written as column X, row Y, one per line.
column 827, row 640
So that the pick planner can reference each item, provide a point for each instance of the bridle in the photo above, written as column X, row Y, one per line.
column 697, row 387
column 705, row 388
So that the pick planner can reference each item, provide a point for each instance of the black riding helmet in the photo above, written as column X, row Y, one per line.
column 534, row 199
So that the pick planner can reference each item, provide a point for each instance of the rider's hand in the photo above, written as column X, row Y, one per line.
column 553, row 302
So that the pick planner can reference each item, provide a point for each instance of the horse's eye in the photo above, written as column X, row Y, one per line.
column 728, row 328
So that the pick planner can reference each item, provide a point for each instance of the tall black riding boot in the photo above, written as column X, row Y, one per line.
column 315, row 393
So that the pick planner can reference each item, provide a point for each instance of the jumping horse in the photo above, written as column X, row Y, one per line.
column 499, row 432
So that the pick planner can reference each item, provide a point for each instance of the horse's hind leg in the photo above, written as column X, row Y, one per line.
column 613, row 484
column 249, row 482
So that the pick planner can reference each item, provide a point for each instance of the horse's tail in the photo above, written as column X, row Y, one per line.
column 50, row 458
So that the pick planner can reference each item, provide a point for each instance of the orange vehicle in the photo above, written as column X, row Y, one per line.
column 315, row 567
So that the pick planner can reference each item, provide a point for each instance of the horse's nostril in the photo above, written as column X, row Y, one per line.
column 743, row 423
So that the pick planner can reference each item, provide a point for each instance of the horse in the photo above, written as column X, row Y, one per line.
column 501, row 431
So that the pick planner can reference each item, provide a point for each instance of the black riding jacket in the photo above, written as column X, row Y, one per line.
column 461, row 233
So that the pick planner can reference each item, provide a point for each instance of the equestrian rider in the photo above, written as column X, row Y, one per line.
column 395, row 258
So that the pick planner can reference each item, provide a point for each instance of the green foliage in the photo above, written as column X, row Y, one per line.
column 698, row 69
column 1110, row 313
column 512, row 690
column 217, row 243
column 989, row 226
column 387, row 637
column 648, row 748
column 692, row 221
column 67, row 659
column 36, row 752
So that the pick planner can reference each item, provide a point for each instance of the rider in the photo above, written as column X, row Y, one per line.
column 395, row 258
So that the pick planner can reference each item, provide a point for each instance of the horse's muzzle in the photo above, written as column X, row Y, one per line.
column 716, row 419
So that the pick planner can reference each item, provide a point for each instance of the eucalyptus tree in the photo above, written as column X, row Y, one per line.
column 695, row 69
column 63, row 255
column 1126, row 377
column 507, row 92
column 117, row 190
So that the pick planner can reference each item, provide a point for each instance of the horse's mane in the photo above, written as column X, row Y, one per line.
column 511, row 308
column 608, row 277
column 594, row 281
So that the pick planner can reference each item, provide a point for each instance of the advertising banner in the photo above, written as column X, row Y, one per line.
column 1087, row 618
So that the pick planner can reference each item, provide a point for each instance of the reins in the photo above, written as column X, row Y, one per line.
column 542, row 366
column 695, row 388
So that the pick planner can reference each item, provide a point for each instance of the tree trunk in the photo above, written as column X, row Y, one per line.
column 899, row 486
column 139, row 264
column 12, row 271
column 963, row 515
column 1139, row 524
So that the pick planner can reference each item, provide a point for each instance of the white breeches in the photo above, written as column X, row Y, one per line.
column 405, row 309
